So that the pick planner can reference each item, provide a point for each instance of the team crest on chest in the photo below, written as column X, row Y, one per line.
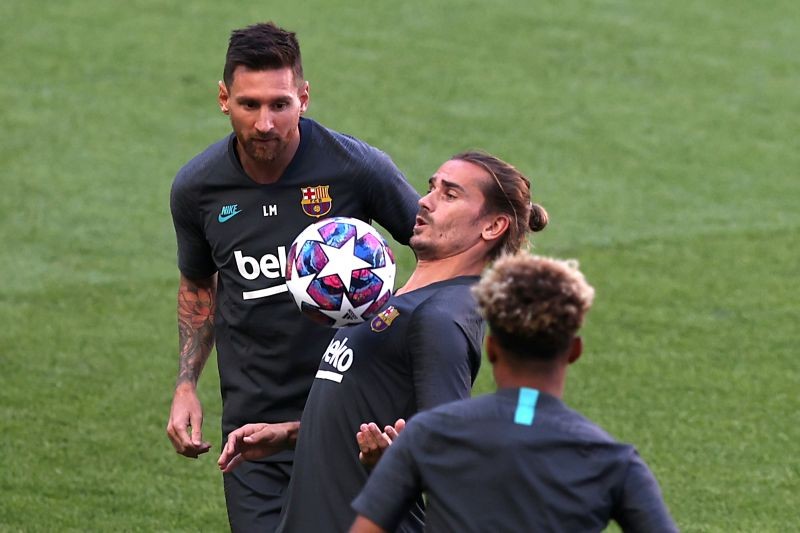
column 316, row 200
column 384, row 319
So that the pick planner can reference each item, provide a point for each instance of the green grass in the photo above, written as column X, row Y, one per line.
column 662, row 138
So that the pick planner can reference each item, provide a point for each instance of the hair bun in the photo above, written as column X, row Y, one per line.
column 538, row 218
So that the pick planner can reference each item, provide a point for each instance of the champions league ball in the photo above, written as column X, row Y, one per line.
column 340, row 271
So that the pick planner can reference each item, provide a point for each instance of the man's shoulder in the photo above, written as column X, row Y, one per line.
column 552, row 417
column 325, row 135
column 566, row 420
column 455, row 417
column 452, row 298
column 482, row 406
column 345, row 146
column 206, row 162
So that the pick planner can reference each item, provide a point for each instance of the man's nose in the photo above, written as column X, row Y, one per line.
column 425, row 202
column 264, row 122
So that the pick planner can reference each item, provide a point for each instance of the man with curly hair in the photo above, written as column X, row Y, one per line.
column 518, row 459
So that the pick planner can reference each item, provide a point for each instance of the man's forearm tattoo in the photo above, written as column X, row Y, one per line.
column 195, row 329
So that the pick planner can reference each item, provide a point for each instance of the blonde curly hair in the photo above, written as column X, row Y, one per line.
column 534, row 305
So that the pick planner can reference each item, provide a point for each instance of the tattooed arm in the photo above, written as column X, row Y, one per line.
column 196, row 302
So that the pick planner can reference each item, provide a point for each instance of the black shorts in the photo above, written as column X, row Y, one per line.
column 255, row 493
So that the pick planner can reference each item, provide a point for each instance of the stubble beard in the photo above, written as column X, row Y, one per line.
column 421, row 248
column 264, row 153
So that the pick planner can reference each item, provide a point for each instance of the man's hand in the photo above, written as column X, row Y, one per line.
column 187, row 415
column 256, row 441
column 365, row 525
column 372, row 442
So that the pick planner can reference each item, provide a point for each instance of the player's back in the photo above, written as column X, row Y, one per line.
column 520, row 457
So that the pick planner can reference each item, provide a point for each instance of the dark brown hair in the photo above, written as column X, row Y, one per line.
column 507, row 192
column 263, row 46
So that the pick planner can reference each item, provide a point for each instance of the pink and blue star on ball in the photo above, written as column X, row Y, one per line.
column 340, row 271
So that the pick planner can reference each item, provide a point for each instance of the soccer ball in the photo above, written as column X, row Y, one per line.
column 340, row 271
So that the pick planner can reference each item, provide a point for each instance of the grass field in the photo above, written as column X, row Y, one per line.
column 662, row 137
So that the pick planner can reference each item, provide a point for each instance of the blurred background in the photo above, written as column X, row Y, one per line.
column 663, row 138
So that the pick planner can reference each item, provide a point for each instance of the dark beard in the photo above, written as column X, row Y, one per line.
column 264, row 153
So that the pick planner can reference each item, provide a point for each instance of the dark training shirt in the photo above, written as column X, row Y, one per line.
column 423, row 350
column 227, row 223
column 516, row 460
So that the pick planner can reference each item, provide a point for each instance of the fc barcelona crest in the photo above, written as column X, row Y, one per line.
column 384, row 319
column 316, row 201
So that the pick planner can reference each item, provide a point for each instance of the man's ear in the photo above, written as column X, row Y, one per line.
column 495, row 227
column 223, row 97
column 575, row 350
column 304, row 96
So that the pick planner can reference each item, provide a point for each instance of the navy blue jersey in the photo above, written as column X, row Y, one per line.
column 225, row 222
column 517, row 460
column 422, row 350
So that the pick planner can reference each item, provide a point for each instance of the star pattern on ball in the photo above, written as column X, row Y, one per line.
column 299, row 287
column 386, row 273
column 342, row 260
column 347, row 314
column 341, row 271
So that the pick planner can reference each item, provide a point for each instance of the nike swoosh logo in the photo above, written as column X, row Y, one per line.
column 225, row 218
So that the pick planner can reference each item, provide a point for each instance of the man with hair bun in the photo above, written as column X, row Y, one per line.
column 422, row 350
column 518, row 459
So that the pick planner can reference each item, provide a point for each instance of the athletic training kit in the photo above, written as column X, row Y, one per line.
column 516, row 460
column 267, row 352
column 422, row 350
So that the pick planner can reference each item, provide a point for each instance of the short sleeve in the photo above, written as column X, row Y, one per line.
column 441, row 357
column 641, row 507
column 395, row 484
column 194, row 253
column 391, row 200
